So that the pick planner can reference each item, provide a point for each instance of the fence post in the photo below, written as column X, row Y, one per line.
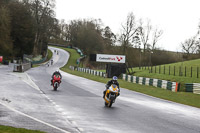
column 197, row 72
column 155, row 69
column 159, row 69
column 185, row 71
column 174, row 70
column 149, row 70
column 181, row 71
column 164, row 69
column 191, row 71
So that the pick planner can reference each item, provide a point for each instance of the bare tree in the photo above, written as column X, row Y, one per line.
column 62, row 27
column 149, row 35
column 156, row 36
column 129, row 29
column 190, row 45
column 145, row 32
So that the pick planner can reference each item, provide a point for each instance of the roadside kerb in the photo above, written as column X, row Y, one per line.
column 173, row 86
column 193, row 87
column 87, row 70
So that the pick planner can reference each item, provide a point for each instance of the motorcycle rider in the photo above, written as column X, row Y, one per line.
column 51, row 61
column 113, row 81
column 55, row 73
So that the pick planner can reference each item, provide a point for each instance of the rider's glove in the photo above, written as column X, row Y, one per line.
column 118, row 93
column 107, row 86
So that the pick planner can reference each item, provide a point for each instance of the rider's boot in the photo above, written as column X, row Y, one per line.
column 51, row 82
column 104, row 93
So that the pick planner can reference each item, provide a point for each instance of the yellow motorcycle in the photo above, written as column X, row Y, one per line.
column 111, row 93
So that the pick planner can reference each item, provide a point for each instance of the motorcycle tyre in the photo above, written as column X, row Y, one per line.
column 55, row 88
column 106, row 104
column 110, row 104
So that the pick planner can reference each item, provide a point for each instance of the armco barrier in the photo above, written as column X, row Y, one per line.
column 173, row 86
column 89, row 71
column 193, row 87
column 21, row 67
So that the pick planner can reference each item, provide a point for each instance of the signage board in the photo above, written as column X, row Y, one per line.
column 110, row 58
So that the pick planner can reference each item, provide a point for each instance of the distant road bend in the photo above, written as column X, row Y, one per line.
column 28, row 101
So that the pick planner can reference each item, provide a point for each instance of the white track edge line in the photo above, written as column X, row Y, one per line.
column 64, row 131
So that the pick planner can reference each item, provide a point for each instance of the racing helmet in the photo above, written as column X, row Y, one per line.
column 114, row 79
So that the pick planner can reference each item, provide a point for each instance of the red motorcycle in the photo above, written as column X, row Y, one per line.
column 56, row 82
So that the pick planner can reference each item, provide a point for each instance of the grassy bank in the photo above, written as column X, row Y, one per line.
column 179, row 97
column 180, row 72
column 7, row 129
column 50, row 54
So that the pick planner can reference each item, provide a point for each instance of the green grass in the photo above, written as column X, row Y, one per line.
column 73, row 57
column 7, row 129
column 179, row 97
column 50, row 54
column 179, row 67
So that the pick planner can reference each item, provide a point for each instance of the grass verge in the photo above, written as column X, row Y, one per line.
column 179, row 97
column 8, row 129
column 181, row 79
column 50, row 54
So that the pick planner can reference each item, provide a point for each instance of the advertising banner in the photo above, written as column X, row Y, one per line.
column 111, row 58
column 1, row 59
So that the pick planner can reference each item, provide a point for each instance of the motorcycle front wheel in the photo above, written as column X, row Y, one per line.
column 55, row 88
column 110, row 104
column 106, row 104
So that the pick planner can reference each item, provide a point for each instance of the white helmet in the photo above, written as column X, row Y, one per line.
column 114, row 78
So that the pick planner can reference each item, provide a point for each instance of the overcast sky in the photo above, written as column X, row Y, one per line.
column 178, row 19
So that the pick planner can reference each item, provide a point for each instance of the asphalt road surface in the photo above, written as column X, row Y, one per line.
column 27, row 100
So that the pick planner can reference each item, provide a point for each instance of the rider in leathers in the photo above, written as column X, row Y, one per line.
column 55, row 73
column 113, row 81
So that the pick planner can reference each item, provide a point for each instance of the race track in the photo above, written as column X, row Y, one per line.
column 78, row 105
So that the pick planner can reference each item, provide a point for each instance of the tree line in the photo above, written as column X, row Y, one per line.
column 93, row 37
column 138, row 41
column 191, row 46
column 27, row 26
